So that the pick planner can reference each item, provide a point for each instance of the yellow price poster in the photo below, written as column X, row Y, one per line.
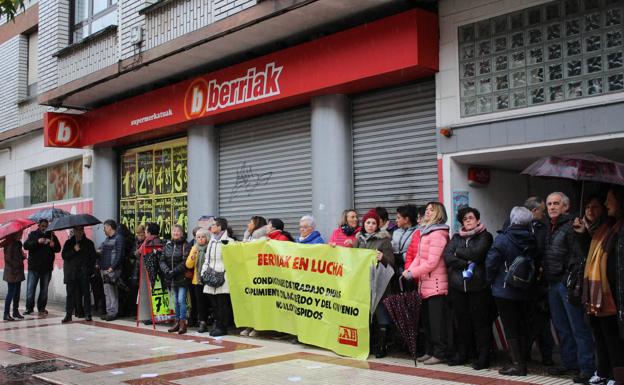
column 180, row 177
column 160, row 302
column 145, row 211
column 128, row 175
column 319, row 293
column 180, row 212
column 163, row 171
column 127, row 210
column 163, row 215
column 145, row 174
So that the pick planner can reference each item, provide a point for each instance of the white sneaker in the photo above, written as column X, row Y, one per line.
column 253, row 333
column 245, row 332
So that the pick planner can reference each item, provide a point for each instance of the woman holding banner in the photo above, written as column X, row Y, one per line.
column 429, row 268
column 347, row 230
column 371, row 237
column 218, row 290
column 173, row 266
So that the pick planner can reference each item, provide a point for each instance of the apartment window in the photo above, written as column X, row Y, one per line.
column 562, row 50
column 32, row 64
column 55, row 183
column 91, row 16
column 2, row 192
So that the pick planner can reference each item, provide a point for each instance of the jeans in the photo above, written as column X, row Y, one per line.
column 575, row 338
column 13, row 295
column 34, row 278
column 85, row 296
column 112, row 297
column 179, row 296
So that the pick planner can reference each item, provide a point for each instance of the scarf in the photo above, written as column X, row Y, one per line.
column 597, row 295
column 348, row 230
column 199, row 262
column 471, row 233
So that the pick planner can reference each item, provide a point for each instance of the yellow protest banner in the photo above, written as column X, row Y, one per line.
column 319, row 293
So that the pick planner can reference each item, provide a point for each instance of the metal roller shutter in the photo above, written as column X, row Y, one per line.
column 394, row 147
column 265, row 169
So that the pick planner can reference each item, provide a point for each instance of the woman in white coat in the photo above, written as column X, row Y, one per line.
column 219, row 296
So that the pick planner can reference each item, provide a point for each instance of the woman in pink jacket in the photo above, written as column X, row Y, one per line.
column 429, row 269
column 348, row 228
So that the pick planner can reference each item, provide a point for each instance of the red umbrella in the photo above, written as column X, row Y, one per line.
column 582, row 167
column 14, row 226
column 404, row 309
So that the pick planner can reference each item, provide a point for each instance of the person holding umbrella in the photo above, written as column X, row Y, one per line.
column 41, row 245
column 78, row 262
column 13, row 273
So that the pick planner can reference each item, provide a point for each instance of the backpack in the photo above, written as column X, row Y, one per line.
column 521, row 273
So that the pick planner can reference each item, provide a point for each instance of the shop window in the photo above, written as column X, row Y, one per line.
column 558, row 51
column 153, row 182
column 91, row 16
column 2, row 192
column 55, row 183
column 32, row 64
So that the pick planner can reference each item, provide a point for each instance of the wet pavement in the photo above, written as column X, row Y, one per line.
column 120, row 352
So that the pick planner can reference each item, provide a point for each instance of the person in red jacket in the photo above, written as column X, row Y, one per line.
column 275, row 230
column 347, row 230
column 429, row 268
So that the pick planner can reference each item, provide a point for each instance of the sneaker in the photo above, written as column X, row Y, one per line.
column 254, row 333
column 246, row 332
column 433, row 361
column 423, row 358
column 597, row 380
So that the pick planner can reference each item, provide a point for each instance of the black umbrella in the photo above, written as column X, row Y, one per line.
column 404, row 309
column 71, row 221
column 49, row 213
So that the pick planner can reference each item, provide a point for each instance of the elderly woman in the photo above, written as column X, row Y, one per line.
column 219, row 296
column 429, row 269
column 307, row 231
column 347, row 230
column 516, row 240
column 469, row 291
column 195, row 261
column 13, row 274
column 173, row 265
column 372, row 237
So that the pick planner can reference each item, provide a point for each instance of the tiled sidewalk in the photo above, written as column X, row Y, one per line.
column 119, row 352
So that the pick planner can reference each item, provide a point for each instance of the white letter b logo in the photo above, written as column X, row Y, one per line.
column 64, row 132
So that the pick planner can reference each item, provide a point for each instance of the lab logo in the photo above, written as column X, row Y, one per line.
column 347, row 336
column 63, row 132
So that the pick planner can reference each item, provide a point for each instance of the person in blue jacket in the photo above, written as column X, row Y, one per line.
column 307, row 232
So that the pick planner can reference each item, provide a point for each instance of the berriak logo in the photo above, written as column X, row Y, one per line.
column 347, row 336
column 204, row 96
column 63, row 131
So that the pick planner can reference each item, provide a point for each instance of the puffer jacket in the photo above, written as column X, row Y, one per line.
column 195, row 262
column 428, row 264
column 214, row 259
column 381, row 241
column 172, row 263
column 561, row 251
column 314, row 238
column 112, row 254
column 255, row 235
column 13, row 262
column 509, row 244
column 459, row 252
column 338, row 237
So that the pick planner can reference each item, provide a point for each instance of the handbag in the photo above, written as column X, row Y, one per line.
column 211, row 277
column 188, row 273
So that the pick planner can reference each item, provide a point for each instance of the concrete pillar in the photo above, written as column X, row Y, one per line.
column 105, row 194
column 332, row 160
column 203, row 172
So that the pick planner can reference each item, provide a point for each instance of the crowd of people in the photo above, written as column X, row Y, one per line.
column 543, row 265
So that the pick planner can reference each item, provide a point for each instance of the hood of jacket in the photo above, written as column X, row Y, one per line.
column 380, row 234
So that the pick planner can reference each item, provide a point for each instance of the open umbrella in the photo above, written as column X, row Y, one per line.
column 380, row 278
column 404, row 309
column 71, row 221
column 579, row 167
column 14, row 226
column 49, row 213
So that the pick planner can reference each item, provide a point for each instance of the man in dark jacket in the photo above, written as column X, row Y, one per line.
column 560, row 257
column 41, row 246
column 78, row 261
column 110, row 261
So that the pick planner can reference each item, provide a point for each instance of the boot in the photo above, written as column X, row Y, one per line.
column 182, row 327
column 518, row 363
column 203, row 327
column 382, row 346
column 175, row 327
column 7, row 317
column 483, row 362
column 17, row 315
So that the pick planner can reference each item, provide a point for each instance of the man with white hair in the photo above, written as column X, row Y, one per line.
column 307, row 232
column 560, row 259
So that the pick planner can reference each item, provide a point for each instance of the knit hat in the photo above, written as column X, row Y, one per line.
column 371, row 214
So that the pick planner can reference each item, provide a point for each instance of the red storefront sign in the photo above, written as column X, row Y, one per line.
column 385, row 52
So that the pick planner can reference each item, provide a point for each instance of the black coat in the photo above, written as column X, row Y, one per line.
column 78, row 265
column 41, row 256
column 561, row 250
column 457, row 255
column 173, row 263
column 13, row 262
